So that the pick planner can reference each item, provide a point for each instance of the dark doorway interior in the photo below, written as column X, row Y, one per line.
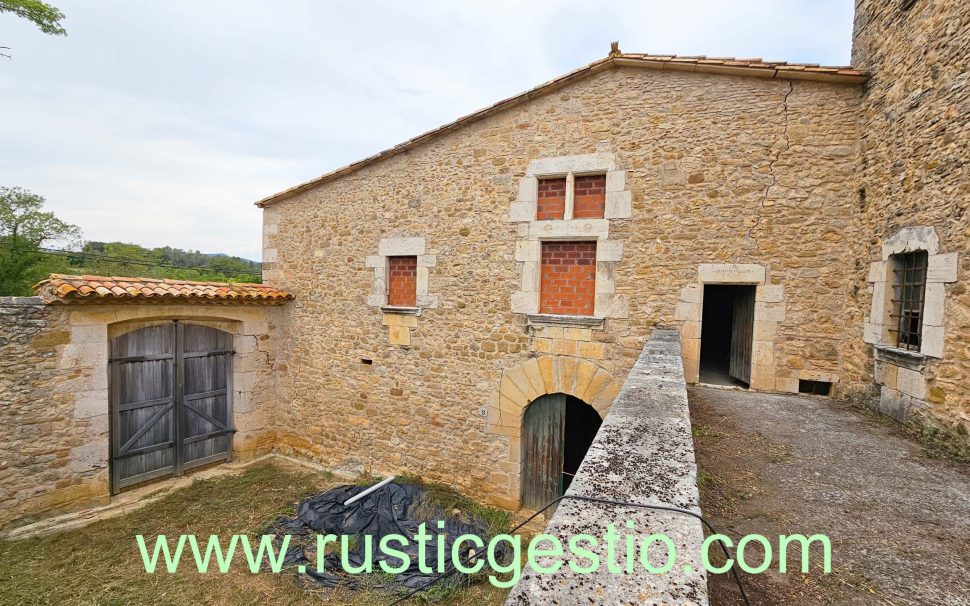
column 726, row 334
column 582, row 423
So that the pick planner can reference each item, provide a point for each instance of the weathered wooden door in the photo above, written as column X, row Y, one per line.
column 543, row 428
column 170, row 405
column 742, row 333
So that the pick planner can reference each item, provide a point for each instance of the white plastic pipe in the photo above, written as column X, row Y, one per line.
column 363, row 494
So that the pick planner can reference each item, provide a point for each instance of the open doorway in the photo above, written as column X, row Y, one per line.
column 727, row 335
column 558, row 430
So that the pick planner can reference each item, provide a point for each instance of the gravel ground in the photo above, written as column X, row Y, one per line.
column 898, row 521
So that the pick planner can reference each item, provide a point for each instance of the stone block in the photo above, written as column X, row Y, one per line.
column 577, row 334
column 270, row 255
column 530, row 277
column 690, row 312
column 932, row 342
column 942, row 268
column 786, row 384
column 564, row 347
column 911, row 238
column 894, row 404
column 547, row 368
column 399, row 335
column 561, row 165
column 615, row 180
column 427, row 260
column 934, row 304
column 374, row 261
column 90, row 403
column 769, row 312
column 609, row 251
column 605, row 279
column 595, row 351
column 89, row 334
column 762, row 377
column 619, row 205
column 763, row 353
column 522, row 211
column 692, row 293
column 872, row 333
column 542, row 345
column 405, row 320
column 911, row 382
column 529, row 192
column 525, row 302
column 878, row 272
column 691, row 330
column 396, row 247
column 528, row 251
column 770, row 293
column 598, row 229
column 89, row 457
column 886, row 374
column 765, row 330
column 731, row 273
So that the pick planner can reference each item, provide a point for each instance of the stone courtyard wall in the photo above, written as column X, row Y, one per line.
column 40, row 436
column 712, row 169
column 915, row 154
column 54, row 410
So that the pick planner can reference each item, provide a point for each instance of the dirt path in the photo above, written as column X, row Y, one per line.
column 899, row 522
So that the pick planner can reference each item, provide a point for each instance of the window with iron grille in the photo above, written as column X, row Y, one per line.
column 909, row 294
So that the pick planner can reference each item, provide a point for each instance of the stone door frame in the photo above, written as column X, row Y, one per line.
column 769, row 312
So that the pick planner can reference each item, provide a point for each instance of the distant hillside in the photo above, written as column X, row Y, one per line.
column 123, row 259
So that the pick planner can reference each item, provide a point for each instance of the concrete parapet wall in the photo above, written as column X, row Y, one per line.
column 643, row 453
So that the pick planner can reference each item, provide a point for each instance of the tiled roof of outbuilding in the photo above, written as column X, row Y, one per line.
column 64, row 288
column 757, row 68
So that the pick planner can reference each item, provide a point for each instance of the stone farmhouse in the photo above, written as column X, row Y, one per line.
column 466, row 305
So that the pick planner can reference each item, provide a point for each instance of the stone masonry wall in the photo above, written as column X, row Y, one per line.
column 39, row 434
column 721, row 169
column 54, row 408
column 915, row 153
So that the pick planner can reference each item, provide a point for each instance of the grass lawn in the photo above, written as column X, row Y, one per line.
column 101, row 564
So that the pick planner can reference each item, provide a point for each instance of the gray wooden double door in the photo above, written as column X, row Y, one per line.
column 170, row 404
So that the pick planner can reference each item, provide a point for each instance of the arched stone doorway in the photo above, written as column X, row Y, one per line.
column 557, row 431
column 523, row 384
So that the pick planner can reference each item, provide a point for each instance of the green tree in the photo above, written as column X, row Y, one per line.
column 24, row 228
column 46, row 17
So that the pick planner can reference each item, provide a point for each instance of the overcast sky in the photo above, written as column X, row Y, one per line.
column 160, row 123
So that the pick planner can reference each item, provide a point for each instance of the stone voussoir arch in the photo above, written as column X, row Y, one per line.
column 523, row 383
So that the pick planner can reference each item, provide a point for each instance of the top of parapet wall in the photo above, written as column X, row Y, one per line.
column 643, row 453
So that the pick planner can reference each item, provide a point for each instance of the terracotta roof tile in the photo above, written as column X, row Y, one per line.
column 755, row 67
column 64, row 288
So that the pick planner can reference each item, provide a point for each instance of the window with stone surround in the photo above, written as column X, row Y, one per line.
column 909, row 290
column 402, row 273
column 568, row 278
column 576, row 208
column 908, row 295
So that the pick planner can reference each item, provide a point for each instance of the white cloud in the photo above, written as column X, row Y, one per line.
column 161, row 123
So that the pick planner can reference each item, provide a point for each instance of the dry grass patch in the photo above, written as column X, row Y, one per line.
column 101, row 564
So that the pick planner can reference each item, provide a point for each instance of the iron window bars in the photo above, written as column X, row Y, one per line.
column 909, row 294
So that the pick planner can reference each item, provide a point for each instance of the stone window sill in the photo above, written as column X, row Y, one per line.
column 569, row 321
column 404, row 311
column 912, row 360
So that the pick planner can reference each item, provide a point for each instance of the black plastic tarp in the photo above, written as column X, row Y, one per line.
column 393, row 509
